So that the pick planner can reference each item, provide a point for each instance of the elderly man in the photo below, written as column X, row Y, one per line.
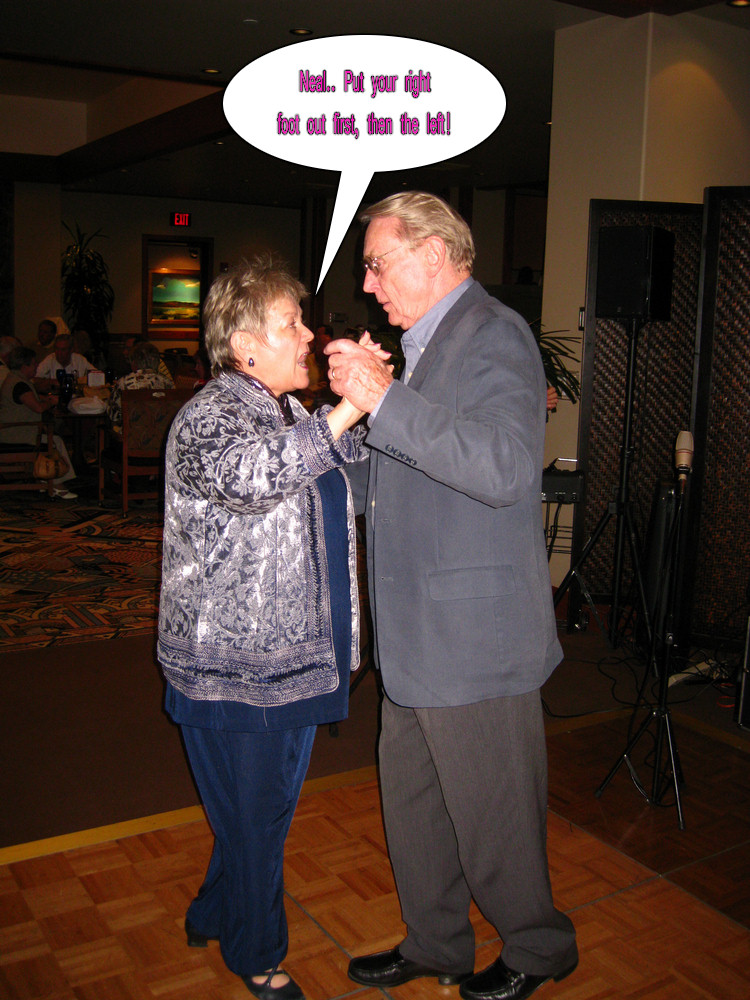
column 65, row 357
column 462, row 602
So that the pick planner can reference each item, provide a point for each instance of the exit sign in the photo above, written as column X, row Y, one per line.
column 179, row 219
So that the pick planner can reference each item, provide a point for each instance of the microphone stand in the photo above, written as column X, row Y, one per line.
column 660, row 712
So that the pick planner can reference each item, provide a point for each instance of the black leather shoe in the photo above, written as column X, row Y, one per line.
column 390, row 968
column 194, row 938
column 264, row 991
column 498, row 982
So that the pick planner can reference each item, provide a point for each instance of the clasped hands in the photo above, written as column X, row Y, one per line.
column 358, row 372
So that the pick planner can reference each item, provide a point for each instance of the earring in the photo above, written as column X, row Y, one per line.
column 250, row 362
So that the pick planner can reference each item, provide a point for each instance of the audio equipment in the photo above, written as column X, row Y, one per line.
column 634, row 274
column 654, row 559
column 562, row 486
column 742, row 698
column 683, row 457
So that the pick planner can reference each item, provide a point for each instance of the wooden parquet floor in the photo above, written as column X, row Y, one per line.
column 103, row 921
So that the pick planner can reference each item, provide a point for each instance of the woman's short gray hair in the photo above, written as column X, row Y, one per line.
column 421, row 215
column 239, row 299
column 144, row 355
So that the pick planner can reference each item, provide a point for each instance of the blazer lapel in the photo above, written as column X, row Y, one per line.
column 474, row 294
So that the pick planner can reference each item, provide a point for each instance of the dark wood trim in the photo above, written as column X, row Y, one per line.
column 29, row 167
column 91, row 67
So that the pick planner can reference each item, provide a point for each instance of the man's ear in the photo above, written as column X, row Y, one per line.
column 434, row 253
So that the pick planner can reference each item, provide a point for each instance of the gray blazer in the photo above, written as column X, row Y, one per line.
column 459, row 581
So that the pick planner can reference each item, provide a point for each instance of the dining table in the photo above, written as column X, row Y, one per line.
column 81, row 420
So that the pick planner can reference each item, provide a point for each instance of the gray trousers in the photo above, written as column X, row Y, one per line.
column 465, row 804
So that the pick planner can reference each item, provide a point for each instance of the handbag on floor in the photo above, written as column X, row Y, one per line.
column 49, row 464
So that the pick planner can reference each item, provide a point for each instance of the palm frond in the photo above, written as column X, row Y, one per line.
column 555, row 347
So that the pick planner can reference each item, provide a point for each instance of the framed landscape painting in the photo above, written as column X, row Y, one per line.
column 174, row 298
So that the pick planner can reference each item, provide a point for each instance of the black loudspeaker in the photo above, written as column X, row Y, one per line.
column 634, row 276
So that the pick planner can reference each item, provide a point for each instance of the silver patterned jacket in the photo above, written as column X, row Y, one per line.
column 245, row 610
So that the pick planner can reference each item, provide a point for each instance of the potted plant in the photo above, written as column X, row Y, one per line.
column 555, row 352
column 88, row 296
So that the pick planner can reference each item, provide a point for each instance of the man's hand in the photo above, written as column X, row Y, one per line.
column 358, row 372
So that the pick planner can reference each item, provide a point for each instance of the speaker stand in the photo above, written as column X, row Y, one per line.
column 660, row 712
column 621, row 509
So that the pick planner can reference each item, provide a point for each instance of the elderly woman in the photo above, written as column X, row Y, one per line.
column 20, row 402
column 145, row 374
column 258, row 624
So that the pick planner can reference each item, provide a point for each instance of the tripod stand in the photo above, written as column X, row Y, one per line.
column 621, row 508
column 659, row 713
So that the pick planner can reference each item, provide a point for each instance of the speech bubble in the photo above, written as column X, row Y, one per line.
column 362, row 103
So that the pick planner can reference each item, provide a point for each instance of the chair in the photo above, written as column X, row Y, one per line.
column 146, row 418
column 17, row 460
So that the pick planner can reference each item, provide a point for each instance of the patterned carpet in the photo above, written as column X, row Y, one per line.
column 75, row 572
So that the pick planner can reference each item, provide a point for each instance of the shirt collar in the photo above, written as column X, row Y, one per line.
column 423, row 329
column 416, row 338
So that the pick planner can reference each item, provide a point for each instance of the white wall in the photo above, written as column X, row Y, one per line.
column 40, row 210
column 36, row 257
column 698, row 124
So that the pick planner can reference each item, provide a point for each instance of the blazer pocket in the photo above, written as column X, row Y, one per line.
column 471, row 583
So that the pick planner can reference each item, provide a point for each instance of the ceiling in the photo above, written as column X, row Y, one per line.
column 78, row 50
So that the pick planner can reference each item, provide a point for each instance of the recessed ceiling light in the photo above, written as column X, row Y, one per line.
column 211, row 72
column 738, row 3
column 300, row 31
column 250, row 20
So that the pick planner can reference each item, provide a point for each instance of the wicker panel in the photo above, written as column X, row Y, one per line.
column 722, row 570
column 662, row 394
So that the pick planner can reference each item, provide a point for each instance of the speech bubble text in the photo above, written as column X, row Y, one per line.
column 362, row 103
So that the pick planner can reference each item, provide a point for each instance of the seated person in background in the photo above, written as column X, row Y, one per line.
column 65, row 357
column 20, row 402
column 6, row 346
column 144, row 360
column 46, row 332
column 319, row 390
column 128, row 346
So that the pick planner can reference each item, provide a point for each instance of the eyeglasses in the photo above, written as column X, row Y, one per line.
column 372, row 264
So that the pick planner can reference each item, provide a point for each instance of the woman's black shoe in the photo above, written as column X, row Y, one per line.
column 264, row 991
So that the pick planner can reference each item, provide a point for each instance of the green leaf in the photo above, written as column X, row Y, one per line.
column 554, row 347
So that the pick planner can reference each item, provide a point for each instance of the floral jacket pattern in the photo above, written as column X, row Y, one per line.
column 245, row 610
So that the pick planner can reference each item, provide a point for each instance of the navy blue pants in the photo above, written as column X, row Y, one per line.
column 249, row 784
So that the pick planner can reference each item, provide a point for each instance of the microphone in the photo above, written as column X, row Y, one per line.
column 683, row 457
